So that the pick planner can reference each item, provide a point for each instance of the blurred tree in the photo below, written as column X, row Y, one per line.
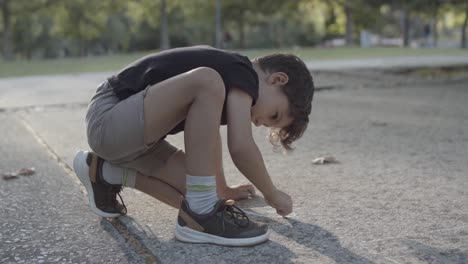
column 458, row 7
column 349, row 8
column 13, row 14
column 164, row 27
column 331, row 23
column 116, row 36
column 26, row 33
column 372, row 17
column 51, row 28
column 431, row 11
column 408, row 8
column 240, row 11
column 218, row 31
column 235, row 10
column 463, row 42
column 6, row 13
column 83, row 21
column 465, row 23
column 435, row 5
column 405, row 20
column 143, row 14
column 359, row 14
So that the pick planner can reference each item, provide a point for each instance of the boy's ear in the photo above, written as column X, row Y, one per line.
column 279, row 78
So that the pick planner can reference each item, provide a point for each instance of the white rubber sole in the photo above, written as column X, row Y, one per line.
column 186, row 234
column 82, row 171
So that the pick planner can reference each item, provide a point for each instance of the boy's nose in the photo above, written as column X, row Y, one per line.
column 257, row 122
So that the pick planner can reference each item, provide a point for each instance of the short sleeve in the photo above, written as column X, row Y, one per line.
column 242, row 76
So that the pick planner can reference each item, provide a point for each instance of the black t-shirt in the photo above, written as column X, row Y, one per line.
column 236, row 71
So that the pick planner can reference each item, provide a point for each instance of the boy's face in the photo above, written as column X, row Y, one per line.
column 272, row 106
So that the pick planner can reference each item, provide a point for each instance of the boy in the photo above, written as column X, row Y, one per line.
column 195, row 90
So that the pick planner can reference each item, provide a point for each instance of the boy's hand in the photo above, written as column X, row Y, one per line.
column 281, row 201
column 238, row 192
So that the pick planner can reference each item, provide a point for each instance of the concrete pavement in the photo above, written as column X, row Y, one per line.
column 43, row 217
column 398, row 194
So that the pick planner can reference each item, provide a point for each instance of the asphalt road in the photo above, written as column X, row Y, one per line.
column 398, row 194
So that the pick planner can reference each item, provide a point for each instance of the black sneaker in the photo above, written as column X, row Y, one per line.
column 226, row 225
column 102, row 196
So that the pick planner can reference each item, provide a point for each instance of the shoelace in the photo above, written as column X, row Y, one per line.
column 111, row 197
column 235, row 213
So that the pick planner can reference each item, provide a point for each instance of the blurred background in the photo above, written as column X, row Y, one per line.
column 390, row 105
column 86, row 35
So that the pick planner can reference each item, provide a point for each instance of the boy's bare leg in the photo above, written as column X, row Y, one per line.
column 166, row 104
column 196, row 96
column 159, row 190
column 168, row 183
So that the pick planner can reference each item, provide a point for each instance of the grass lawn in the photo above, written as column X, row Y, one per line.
column 115, row 62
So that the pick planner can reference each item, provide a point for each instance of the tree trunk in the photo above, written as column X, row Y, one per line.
column 406, row 27
column 435, row 33
column 164, row 31
column 241, row 30
column 79, row 21
column 218, row 33
column 349, row 24
column 7, row 54
column 465, row 23
column 81, row 46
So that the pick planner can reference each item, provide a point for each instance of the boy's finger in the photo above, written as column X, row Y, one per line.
column 248, row 189
column 244, row 194
column 280, row 212
column 251, row 190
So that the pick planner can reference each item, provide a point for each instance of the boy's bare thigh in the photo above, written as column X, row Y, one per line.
column 166, row 104
column 129, row 132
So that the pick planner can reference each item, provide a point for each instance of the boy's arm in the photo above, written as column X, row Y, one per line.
column 245, row 153
column 220, row 179
column 237, row 192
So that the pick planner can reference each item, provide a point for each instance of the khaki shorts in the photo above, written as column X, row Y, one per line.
column 115, row 131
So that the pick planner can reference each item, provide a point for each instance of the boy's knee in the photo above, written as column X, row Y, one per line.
column 209, row 81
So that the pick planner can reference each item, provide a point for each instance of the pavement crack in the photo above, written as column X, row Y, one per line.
column 130, row 239
column 50, row 150
column 133, row 241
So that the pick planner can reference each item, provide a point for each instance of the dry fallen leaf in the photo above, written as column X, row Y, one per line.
column 21, row 172
column 27, row 171
column 9, row 176
column 325, row 159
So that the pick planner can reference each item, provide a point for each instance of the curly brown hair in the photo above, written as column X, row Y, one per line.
column 299, row 90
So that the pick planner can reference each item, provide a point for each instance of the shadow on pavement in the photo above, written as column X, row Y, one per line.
column 320, row 240
column 436, row 255
column 129, row 234
column 311, row 236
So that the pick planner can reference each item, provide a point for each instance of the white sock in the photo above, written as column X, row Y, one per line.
column 117, row 175
column 201, row 193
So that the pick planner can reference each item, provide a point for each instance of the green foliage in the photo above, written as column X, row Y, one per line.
column 58, row 28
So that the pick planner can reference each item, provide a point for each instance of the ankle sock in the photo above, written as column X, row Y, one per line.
column 201, row 193
column 117, row 175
